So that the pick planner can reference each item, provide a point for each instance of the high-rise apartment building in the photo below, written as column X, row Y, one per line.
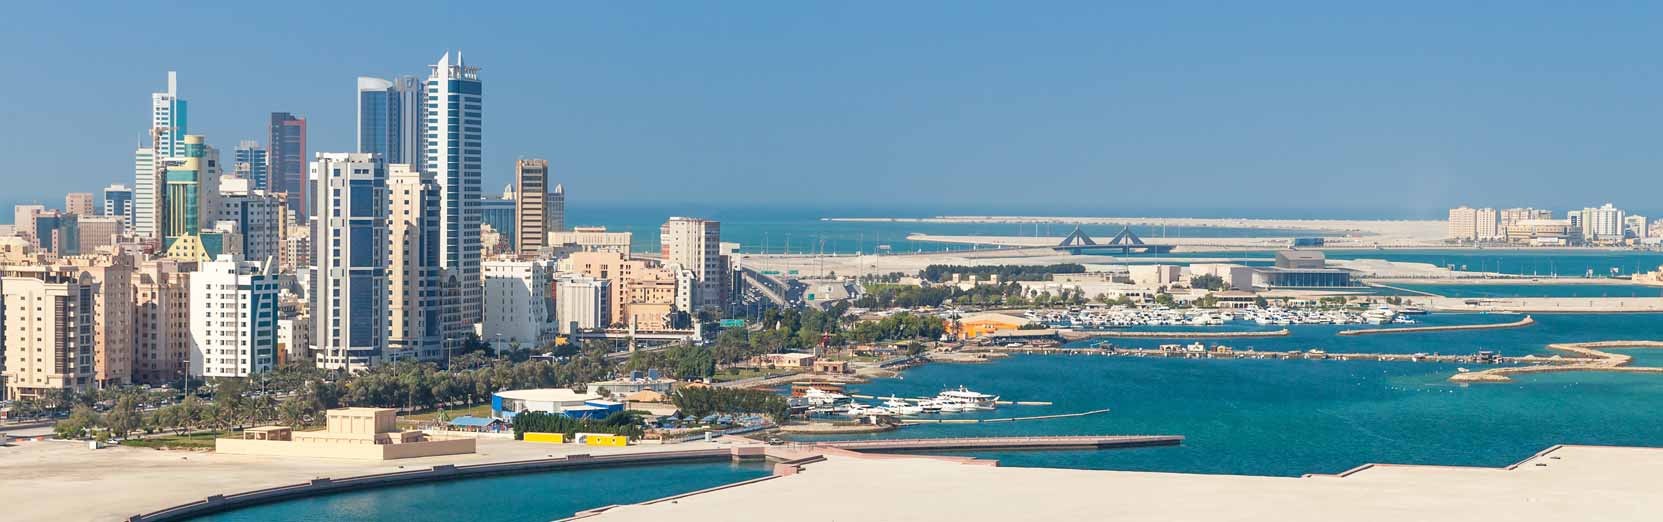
column 1636, row 226
column 233, row 321
column 168, row 125
column 454, row 114
column 190, row 197
column 415, row 306
column 581, row 303
column 390, row 118
column 80, row 204
column 1604, row 223
column 286, row 163
column 532, row 216
column 349, row 261
column 48, row 329
column 1474, row 224
column 56, row 232
column 118, row 202
column 695, row 244
column 259, row 222
column 94, row 232
column 251, row 164
column 161, row 316
column 110, row 279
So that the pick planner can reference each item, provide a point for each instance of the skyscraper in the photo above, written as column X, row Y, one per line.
column 415, row 316
column 80, row 204
column 531, row 208
column 118, row 202
column 695, row 244
column 190, row 194
column 251, row 164
column 349, row 275
column 286, row 160
column 389, row 118
column 167, row 129
column 557, row 209
column 453, row 129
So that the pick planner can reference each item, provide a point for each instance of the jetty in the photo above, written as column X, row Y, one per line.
column 1527, row 321
column 1587, row 358
column 1005, row 443
column 905, row 422
column 1076, row 335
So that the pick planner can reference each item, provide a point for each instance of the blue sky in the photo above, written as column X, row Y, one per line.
column 1088, row 107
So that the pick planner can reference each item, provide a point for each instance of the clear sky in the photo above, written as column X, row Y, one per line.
column 1097, row 107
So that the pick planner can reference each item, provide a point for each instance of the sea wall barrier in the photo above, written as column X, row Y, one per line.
column 220, row 503
column 1075, row 335
column 1588, row 358
column 1527, row 321
column 1002, row 443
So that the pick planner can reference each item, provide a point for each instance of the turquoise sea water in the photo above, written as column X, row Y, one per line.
column 514, row 498
column 1548, row 290
column 1275, row 417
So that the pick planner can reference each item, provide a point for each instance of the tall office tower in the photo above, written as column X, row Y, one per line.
column 191, row 190
column 161, row 318
column 110, row 280
column 453, row 114
column 234, row 334
column 252, row 165
column 259, row 222
column 1604, row 223
column 286, row 163
column 167, row 129
column 349, row 261
column 118, row 202
column 389, row 118
column 415, row 311
column 80, row 204
column 48, row 330
column 557, row 209
column 695, row 244
column 532, row 218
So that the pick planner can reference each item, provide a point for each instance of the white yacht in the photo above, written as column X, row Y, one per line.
column 969, row 400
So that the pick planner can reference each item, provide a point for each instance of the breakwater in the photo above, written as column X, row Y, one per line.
column 1005, row 443
column 1527, row 321
column 1587, row 358
column 1074, row 335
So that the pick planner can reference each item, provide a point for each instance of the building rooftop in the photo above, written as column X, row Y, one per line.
column 548, row 395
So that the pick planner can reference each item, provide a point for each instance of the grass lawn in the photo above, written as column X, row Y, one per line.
column 194, row 440
column 734, row 374
column 483, row 410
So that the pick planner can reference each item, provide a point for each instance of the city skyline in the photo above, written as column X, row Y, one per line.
column 1109, row 100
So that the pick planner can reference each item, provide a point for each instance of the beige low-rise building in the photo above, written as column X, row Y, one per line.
column 350, row 433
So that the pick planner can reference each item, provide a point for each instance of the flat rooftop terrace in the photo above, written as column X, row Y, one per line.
column 1562, row 483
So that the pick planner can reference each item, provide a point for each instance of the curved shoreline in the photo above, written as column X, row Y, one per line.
column 1593, row 360
column 1073, row 335
column 1527, row 321
column 443, row 472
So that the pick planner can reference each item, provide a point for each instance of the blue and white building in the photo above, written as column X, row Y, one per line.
column 349, row 261
column 233, row 318
column 390, row 118
column 454, row 117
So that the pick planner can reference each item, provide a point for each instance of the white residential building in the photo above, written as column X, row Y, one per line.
column 349, row 261
column 233, row 318
column 519, row 303
column 1474, row 224
column 695, row 245
column 581, row 303
column 1601, row 224
column 259, row 219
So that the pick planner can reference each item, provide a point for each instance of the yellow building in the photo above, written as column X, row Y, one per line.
column 977, row 325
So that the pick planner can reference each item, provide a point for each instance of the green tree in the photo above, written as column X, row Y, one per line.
column 82, row 419
column 124, row 418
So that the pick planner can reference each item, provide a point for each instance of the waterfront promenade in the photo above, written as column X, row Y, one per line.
column 1562, row 483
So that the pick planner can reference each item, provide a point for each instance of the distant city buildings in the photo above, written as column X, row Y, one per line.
column 251, row 163
column 168, row 126
column 533, row 217
column 582, row 303
column 590, row 239
column 1474, row 224
column 118, row 202
column 80, row 204
column 286, row 163
column 1601, row 224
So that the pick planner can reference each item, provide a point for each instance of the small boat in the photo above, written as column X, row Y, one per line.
column 1462, row 370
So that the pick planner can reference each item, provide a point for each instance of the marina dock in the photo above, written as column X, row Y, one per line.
column 905, row 422
column 1006, row 443
column 1078, row 335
